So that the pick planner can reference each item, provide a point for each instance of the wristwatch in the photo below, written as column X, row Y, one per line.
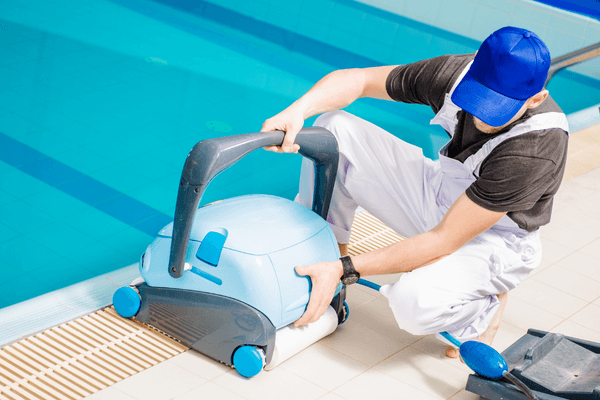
column 350, row 274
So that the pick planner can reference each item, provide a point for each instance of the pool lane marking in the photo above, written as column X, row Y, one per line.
column 82, row 187
column 292, row 41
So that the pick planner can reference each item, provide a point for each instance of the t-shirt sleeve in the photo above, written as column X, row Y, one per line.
column 512, row 182
column 427, row 81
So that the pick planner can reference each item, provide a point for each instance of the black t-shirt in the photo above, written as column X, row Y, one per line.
column 522, row 174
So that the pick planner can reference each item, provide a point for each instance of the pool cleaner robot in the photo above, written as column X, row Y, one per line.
column 221, row 278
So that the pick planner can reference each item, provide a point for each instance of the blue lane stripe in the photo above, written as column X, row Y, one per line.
column 16, row 153
column 82, row 187
column 584, row 7
column 334, row 56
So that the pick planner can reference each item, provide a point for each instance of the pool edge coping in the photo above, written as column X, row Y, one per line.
column 62, row 305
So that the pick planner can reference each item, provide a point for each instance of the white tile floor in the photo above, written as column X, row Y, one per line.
column 370, row 358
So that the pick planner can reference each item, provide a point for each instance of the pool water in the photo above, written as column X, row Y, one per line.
column 100, row 102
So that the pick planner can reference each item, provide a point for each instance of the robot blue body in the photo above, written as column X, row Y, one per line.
column 221, row 278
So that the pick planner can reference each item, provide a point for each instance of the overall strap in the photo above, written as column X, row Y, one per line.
column 538, row 122
column 460, row 77
column 446, row 116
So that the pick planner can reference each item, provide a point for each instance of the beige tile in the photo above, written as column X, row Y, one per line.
column 579, row 188
column 199, row 364
column 378, row 316
column 110, row 393
column 464, row 395
column 547, row 298
column 331, row 396
column 507, row 334
column 589, row 204
column 524, row 316
column 553, row 251
column 424, row 372
column 566, row 235
column 588, row 317
column 437, row 349
column 564, row 198
column 323, row 366
column 570, row 328
column 592, row 249
column 275, row 384
column 356, row 296
column 376, row 385
column 543, row 265
column 591, row 179
column 582, row 264
column 362, row 343
column 161, row 382
column 570, row 282
column 597, row 302
column 579, row 220
column 593, row 174
column 209, row 391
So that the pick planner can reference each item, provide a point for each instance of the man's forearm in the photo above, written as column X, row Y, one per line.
column 463, row 221
column 404, row 256
column 333, row 92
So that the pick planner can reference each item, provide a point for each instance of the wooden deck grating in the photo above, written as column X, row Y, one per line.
column 81, row 357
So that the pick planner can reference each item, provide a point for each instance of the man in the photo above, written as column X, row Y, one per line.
column 472, row 218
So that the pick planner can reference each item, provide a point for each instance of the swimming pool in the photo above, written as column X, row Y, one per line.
column 101, row 101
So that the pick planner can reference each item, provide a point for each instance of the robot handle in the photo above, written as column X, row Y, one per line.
column 210, row 157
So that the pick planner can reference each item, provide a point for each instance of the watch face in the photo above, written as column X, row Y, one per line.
column 350, row 279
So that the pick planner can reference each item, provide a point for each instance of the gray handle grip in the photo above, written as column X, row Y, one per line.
column 210, row 157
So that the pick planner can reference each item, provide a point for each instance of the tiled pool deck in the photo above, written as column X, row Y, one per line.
column 369, row 357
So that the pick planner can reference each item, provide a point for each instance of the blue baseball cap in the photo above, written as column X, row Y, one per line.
column 511, row 66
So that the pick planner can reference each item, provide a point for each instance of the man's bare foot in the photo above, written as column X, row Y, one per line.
column 486, row 337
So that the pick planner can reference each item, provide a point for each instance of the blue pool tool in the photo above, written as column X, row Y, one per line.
column 221, row 278
column 487, row 362
column 480, row 357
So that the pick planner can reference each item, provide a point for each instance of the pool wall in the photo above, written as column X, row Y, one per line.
column 375, row 35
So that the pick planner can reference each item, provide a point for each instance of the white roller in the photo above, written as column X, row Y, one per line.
column 291, row 340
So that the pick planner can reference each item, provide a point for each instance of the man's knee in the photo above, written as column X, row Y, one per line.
column 417, row 306
column 341, row 124
column 331, row 119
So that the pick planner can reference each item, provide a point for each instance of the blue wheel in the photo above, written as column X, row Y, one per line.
column 248, row 361
column 127, row 301
column 346, row 312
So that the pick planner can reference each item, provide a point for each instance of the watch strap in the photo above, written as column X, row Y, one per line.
column 349, row 270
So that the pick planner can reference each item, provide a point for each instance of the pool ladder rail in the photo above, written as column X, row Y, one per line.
column 575, row 57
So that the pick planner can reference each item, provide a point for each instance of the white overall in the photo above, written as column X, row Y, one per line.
column 411, row 193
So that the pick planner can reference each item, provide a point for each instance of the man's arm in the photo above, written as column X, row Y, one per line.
column 463, row 221
column 333, row 92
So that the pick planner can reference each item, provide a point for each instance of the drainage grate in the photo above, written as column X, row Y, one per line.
column 369, row 233
column 83, row 356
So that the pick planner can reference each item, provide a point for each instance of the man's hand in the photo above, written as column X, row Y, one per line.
column 324, row 276
column 290, row 121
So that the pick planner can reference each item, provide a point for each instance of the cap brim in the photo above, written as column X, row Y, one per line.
column 482, row 102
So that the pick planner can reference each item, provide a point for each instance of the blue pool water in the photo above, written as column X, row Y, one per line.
column 100, row 102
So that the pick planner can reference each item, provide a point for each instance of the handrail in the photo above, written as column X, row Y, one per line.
column 572, row 58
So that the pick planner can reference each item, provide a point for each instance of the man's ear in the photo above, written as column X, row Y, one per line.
column 538, row 98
